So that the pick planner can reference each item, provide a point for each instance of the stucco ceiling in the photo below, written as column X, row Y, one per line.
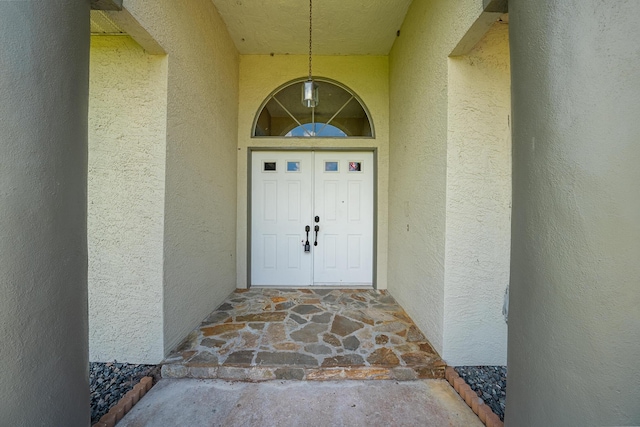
column 340, row 27
column 102, row 24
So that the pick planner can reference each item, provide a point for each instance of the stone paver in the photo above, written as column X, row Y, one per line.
column 383, row 356
column 322, row 334
column 344, row 326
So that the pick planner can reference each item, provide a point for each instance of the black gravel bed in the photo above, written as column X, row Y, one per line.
column 489, row 382
column 112, row 380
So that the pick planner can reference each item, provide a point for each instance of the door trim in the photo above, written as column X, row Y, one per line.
column 373, row 150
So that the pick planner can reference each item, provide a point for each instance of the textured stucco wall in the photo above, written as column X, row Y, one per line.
column 127, row 146
column 367, row 76
column 574, row 319
column 44, row 73
column 418, row 156
column 200, row 185
column 478, row 230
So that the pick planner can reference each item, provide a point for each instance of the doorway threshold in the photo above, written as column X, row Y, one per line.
column 316, row 287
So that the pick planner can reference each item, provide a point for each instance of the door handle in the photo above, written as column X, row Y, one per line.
column 307, row 246
column 316, row 228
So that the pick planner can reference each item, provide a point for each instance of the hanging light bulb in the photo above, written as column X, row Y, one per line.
column 310, row 94
column 310, row 97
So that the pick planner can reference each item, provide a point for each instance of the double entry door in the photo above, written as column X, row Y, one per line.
column 311, row 218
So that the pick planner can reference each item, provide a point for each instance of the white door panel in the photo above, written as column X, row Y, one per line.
column 281, row 208
column 344, row 203
column 289, row 189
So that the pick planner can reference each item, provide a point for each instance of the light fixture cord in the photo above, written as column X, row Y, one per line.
column 310, row 27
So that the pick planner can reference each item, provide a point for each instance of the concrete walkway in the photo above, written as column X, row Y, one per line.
column 214, row 402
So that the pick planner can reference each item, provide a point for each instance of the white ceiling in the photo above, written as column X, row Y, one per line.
column 340, row 27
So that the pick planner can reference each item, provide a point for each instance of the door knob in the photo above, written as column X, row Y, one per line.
column 307, row 246
column 316, row 228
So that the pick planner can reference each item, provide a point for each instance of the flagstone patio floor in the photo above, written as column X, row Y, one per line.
column 306, row 334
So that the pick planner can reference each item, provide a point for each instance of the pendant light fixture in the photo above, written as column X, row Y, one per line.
column 309, row 87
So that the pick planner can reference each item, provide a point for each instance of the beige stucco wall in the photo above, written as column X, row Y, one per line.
column 44, row 73
column 574, row 318
column 418, row 65
column 367, row 76
column 126, row 191
column 200, row 183
column 478, row 224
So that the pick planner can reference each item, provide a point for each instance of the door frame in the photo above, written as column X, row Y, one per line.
column 373, row 150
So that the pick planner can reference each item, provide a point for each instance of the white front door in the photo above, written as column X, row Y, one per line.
column 331, row 191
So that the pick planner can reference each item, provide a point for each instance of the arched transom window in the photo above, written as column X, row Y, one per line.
column 339, row 114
